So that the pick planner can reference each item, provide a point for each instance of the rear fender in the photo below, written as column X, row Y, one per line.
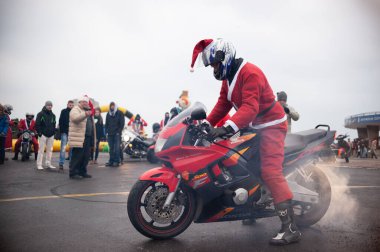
column 163, row 175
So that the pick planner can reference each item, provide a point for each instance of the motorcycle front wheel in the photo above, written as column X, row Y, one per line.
column 146, row 213
column 316, row 180
column 24, row 152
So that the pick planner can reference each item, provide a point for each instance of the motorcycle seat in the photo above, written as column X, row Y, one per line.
column 298, row 141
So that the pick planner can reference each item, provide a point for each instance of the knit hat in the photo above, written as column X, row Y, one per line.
column 84, row 98
column 282, row 96
column 48, row 103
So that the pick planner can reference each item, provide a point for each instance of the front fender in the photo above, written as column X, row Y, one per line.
column 163, row 175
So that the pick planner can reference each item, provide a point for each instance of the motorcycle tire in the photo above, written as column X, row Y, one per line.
column 151, row 157
column 147, row 228
column 317, row 211
column 24, row 152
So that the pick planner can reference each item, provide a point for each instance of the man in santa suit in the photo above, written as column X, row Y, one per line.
column 27, row 124
column 245, row 88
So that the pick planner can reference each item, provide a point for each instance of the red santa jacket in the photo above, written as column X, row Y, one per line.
column 22, row 125
column 250, row 94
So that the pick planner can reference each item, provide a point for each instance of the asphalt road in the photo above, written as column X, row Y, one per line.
column 94, row 217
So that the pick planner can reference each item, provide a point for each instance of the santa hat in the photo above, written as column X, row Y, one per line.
column 199, row 47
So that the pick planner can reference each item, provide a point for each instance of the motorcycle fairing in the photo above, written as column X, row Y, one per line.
column 162, row 174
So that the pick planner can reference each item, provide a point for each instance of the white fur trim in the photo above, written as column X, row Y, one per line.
column 233, row 83
column 268, row 124
column 232, row 124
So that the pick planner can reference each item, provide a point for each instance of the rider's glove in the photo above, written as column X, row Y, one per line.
column 221, row 131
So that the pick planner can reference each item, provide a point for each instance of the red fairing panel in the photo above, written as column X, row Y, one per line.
column 163, row 175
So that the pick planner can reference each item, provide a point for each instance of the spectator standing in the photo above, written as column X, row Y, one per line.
column 291, row 113
column 373, row 148
column 99, row 126
column 114, row 126
column 165, row 120
column 81, row 137
column 45, row 127
column 8, row 141
column 4, row 125
column 350, row 144
column 64, row 120
column 27, row 124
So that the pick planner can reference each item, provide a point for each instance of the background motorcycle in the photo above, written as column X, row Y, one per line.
column 26, row 144
column 134, row 145
column 210, row 181
column 341, row 148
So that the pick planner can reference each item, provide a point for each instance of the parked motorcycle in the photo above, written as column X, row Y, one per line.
column 134, row 145
column 341, row 148
column 26, row 144
column 205, row 180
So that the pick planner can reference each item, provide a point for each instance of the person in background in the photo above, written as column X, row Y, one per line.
column 27, row 124
column 81, row 137
column 4, row 125
column 99, row 134
column 64, row 120
column 373, row 148
column 138, row 124
column 174, row 112
column 45, row 127
column 8, row 141
column 114, row 126
column 350, row 144
column 165, row 120
column 291, row 114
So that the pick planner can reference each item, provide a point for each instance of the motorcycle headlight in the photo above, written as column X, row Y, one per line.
column 160, row 144
column 26, row 135
column 126, row 138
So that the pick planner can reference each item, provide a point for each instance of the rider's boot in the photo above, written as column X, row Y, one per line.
column 289, row 232
column 16, row 156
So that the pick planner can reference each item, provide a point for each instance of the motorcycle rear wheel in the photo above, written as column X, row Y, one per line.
column 308, row 214
column 145, row 196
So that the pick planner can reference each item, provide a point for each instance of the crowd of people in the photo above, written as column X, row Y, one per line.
column 363, row 148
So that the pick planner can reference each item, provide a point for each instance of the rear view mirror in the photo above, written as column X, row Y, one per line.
column 198, row 114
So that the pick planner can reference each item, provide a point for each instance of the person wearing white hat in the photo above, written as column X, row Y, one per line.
column 81, row 132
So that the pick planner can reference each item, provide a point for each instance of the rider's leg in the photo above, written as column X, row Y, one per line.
column 272, row 141
column 17, row 149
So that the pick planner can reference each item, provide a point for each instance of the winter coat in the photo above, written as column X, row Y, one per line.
column 45, row 123
column 23, row 125
column 251, row 95
column 8, row 140
column 114, row 122
column 77, row 127
column 292, row 115
column 99, row 128
column 64, row 120
column 4, row 125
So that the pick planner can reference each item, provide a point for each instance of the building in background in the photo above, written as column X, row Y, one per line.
column 366, row 124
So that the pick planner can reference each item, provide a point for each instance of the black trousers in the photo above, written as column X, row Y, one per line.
column 79, row 158
column 2, row 149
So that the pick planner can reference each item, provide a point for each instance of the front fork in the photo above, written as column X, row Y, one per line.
column 171, row 195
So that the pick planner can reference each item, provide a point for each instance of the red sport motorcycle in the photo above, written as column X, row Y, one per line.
column 211, row 180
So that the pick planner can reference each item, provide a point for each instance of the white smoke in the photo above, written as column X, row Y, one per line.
column 344, row 206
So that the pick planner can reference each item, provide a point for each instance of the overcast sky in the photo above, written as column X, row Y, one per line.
column 325, row 54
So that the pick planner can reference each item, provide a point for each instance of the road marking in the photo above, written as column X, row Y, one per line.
column 356, row 186
column 63, row 196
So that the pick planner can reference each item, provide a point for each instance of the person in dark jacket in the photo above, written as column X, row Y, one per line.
column 64, row 120
column 114, row 126
column 99, row 134
column 45, row 127
column 4, row 125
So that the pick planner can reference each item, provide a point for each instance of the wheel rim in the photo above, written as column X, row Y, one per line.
column 150, row 210
column 309, row 179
